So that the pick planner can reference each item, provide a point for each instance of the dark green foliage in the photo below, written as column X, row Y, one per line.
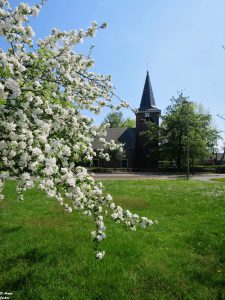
column 46, row 253
column 184, row 118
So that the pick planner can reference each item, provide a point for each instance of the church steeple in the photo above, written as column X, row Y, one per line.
column 147, row 100
column 147, row 112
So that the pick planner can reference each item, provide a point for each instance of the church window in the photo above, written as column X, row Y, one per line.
column 124, row 163
column 95, row 162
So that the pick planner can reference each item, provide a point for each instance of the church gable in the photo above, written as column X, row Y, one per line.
column 126, row 136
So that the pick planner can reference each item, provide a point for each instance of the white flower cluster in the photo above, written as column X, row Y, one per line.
column 44, row 135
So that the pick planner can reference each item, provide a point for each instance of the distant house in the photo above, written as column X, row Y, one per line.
column 217, row 159
column 136, row 153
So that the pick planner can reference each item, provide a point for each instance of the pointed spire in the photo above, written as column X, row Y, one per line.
column 147, row 100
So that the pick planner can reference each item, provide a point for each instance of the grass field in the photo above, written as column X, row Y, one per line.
column 219, row 179
column 46, row 253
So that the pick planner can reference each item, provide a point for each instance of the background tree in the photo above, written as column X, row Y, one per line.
column 116, row 120
column 129, row 123
column 182, row 116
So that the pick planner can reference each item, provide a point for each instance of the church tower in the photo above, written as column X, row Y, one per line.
column 146, row 112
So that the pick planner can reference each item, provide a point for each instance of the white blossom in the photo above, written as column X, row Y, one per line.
column 100, row 254
column 44, row 134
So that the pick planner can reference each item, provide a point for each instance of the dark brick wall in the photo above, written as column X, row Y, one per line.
column 142, row 152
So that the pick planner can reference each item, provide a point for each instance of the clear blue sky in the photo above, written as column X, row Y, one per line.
column 179, row 40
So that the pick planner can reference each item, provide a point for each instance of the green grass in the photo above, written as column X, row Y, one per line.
column 218, row 179
column 46, row 253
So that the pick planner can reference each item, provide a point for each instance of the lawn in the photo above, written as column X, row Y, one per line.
column 219, row 179
column 46, row 253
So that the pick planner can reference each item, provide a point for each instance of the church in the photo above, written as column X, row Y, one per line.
column 136, row 153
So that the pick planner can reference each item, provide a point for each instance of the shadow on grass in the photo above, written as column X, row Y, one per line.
column 7, row 230
column 18, row 283
column 30, row 258
column 20, row 267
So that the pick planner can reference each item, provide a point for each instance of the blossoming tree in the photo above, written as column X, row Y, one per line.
column 44, row 88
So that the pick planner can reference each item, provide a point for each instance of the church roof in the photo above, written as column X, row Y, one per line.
column 126, row 136
column 147, row 100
